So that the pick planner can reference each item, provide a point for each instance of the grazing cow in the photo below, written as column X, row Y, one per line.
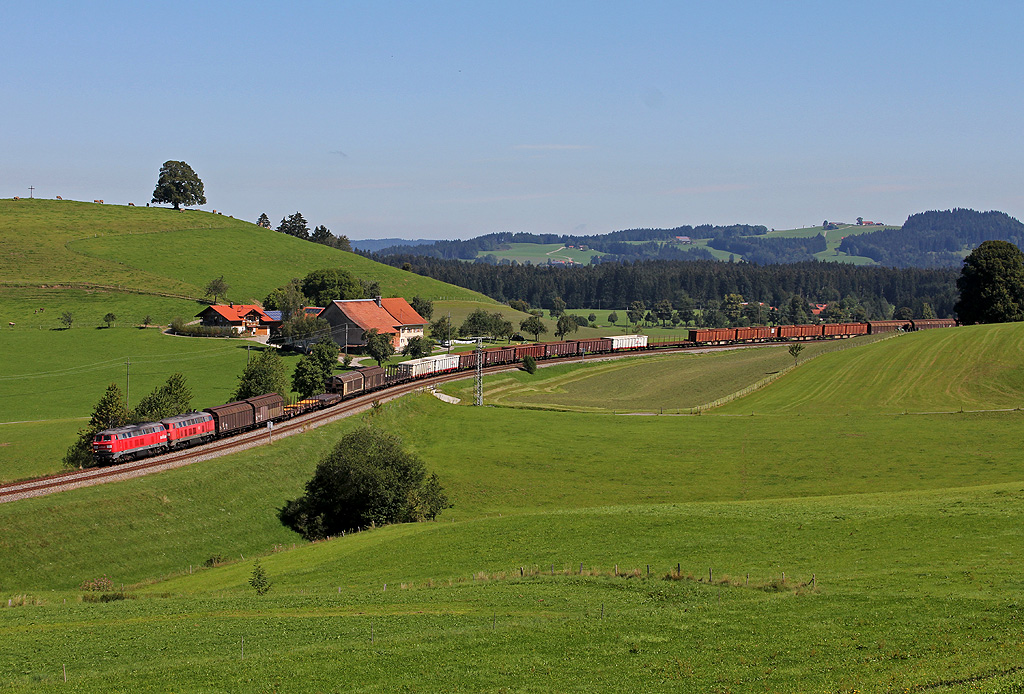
column 17, row 198
column 59, row 197
column 11, row 324
column 99, row 201
column 131, row 204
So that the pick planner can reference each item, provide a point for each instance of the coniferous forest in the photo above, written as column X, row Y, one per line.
column 877, row 290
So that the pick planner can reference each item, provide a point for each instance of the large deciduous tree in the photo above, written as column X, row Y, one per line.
column 565, row 326
column 324, row 286
column 264, row 374
column 533, row 325
column 178, row 185
column 991, row 284
column 424, row 307
column 369, row 478
column 378, row 345
column 173, row 397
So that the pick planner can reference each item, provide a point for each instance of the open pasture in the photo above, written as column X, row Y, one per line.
column 48, row 392
column 971, row 367
column 658, row 383
column 911, row 592
column 501, row 462
column 909, row 527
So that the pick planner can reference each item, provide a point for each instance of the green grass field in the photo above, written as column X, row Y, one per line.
column 909, row 525
column 155, row 250
column 669, row 383
column 974, row 367
column 541, row 253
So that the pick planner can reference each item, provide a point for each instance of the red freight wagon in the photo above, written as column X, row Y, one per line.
column 713, row 335
column 887, row 326
column 756, row 333
column 560, row 349
column 187, row 429
column 844, row 329
column 467, row 360
column 927, row 323
column 535, row 351
column 125, row 443
column 499, row 355
column 799, row 331
column 595, row 345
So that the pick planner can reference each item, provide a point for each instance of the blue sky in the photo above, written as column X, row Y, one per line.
column 455, row 119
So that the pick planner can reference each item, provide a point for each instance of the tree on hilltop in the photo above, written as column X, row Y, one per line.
column 178, row 185
column 263, row 221
column 295, row 225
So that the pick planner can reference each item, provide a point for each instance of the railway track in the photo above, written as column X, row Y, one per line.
column 75, row 479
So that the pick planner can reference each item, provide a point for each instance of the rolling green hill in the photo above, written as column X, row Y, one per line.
column 134, row 262
column 972, row 367
column 158, row 250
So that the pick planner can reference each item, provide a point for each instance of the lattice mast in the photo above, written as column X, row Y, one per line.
column 479, row 385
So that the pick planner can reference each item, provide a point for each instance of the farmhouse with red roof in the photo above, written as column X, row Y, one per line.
column 243, row 318
column 350, row 318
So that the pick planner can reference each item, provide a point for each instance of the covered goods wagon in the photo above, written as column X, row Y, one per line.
column 789, row 332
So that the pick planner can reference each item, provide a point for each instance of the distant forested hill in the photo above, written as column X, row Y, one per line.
column 375, row 245
column 621, row 244
column 935, row 239
column 616, row 285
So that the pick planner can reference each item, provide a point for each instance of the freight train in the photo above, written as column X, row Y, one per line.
column 194, row 428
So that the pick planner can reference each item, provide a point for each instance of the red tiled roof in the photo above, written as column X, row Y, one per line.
column 402, row 311
column 367, row 314
column 235, row 312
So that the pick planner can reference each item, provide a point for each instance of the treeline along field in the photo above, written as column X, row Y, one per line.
column 878, row 289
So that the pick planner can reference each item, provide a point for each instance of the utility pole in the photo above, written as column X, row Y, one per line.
column 31, row 189
column 346, row 338
column 479, row 386
column 449, row 332
column 127, row 383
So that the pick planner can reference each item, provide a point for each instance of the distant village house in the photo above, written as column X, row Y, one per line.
column 244, row 319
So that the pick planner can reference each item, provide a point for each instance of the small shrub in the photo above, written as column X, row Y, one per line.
column 346, row 361
column 97, row 585
column 259, row 580
column 529, row 364
column 215, row 560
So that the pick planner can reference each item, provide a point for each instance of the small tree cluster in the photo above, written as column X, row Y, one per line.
column 480, row 323
column 109, row 412
column 367, row 479
column 296, row 225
